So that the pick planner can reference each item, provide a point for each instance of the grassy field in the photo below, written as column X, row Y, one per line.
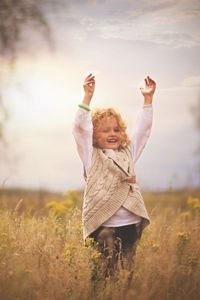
column 42, row 255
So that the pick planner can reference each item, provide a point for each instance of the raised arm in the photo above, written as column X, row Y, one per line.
column 143, row 124
column 89, row 86
column 82, row 127
column 148, row 91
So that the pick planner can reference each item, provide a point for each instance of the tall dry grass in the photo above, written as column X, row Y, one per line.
column 42, row 255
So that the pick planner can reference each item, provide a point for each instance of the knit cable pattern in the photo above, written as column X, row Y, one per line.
column 108, row 189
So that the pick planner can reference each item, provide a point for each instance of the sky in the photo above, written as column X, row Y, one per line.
column 120, row 42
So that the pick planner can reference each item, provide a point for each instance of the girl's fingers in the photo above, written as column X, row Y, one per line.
column 89, row 84
column 151, row 81
column 89, row 76
column 150, row 84
column 89, row 81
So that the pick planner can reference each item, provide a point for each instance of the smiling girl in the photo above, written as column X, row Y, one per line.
column 114, row 213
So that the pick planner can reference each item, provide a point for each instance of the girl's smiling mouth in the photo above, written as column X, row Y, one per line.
column 112, row 140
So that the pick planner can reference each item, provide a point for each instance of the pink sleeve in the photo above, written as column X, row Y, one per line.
column 82, row 132
column 141, row 131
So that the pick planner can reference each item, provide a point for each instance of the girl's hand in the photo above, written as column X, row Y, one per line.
column 89, row 85
column 148, row 90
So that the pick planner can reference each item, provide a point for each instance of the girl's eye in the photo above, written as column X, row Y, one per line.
column 116, row 130
column 105, row 130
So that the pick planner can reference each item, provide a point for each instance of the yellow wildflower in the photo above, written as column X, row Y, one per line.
column 67, row 260
column 80, row 275
column 51, row 204
column 89, row 240
column 71, row 246
column 68, row 203
column 185, row 214
column 74, row 193
column 155, row 246
column 184, row 235
column 4, row 234
column 59, row 209
column 197, row 205
column 67, row 252
column 193, row 201
column 95, row 255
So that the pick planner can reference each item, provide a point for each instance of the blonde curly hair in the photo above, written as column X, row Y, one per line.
column 99, row 115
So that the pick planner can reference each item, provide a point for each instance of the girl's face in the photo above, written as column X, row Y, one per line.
column 108, row 134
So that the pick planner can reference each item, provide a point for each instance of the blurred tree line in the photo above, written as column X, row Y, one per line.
column 15, row 17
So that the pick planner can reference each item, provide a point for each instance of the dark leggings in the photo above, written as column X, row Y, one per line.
column 118, row 246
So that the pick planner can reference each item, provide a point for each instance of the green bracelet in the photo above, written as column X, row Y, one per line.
column 85, row 107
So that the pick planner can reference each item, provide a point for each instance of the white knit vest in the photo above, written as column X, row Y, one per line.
column 108, row 188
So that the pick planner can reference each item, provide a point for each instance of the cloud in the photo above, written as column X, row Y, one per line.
column 166, row 23
column 176, row 39
column 181, row 9
column 191, row 83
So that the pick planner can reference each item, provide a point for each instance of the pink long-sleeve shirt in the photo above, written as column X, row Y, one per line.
column 83, row 131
